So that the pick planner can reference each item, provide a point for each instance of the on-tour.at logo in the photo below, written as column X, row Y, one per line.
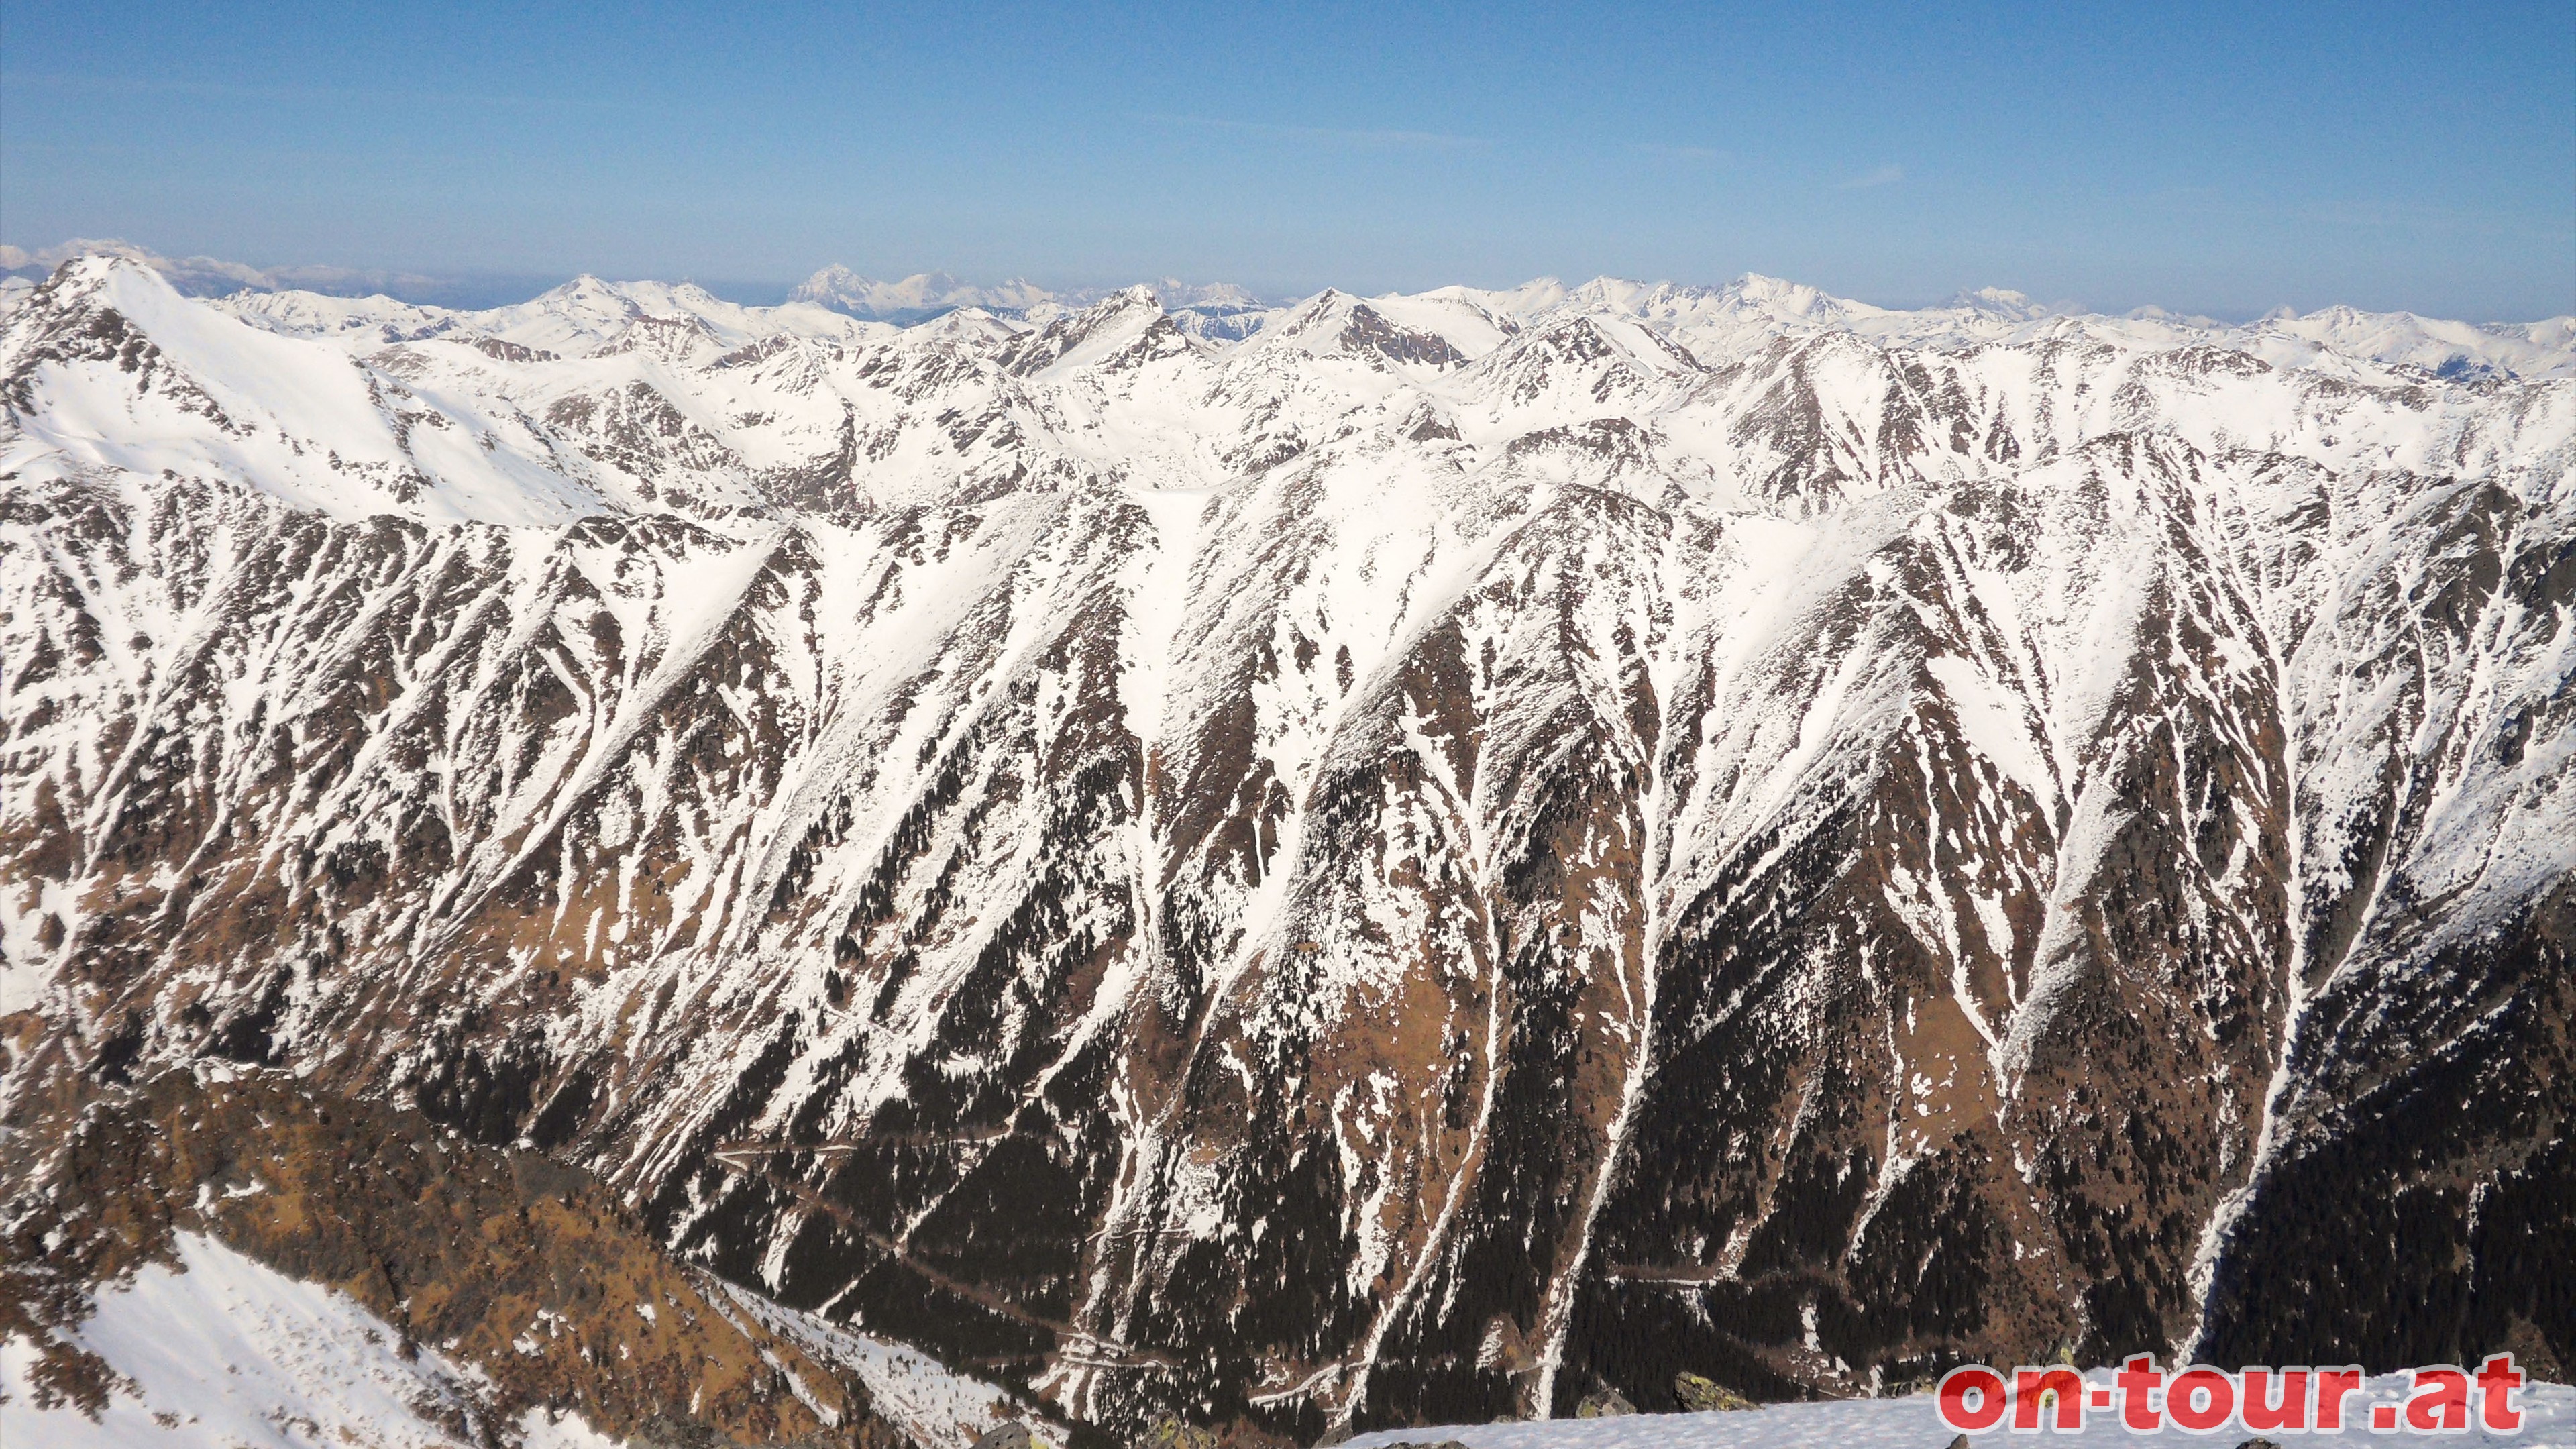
column 2440, row 1399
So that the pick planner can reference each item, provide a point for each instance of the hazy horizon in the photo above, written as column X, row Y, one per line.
column 479, row 290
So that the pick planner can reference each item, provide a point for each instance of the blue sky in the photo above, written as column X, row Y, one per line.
column 2221, row 158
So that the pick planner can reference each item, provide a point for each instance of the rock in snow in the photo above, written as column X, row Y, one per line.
column 1454, row 851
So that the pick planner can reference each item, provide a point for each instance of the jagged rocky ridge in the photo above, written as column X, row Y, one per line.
column 1465, row 849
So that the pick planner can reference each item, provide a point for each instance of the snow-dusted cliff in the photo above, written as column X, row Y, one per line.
column 1463, row 848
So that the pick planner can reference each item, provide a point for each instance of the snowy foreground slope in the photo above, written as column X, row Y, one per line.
column 222, row 1256
column 223, row 1351
column 220, row 1350
column 1455, row 851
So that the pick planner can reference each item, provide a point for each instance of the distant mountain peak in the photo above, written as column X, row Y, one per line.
column 2002, row 302
column 924, row 295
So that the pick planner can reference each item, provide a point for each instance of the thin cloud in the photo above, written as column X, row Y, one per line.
column 1369, row 140
column 1883, row 176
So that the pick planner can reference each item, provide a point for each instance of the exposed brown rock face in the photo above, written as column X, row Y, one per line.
column 1558, row 867
column 527, row 1270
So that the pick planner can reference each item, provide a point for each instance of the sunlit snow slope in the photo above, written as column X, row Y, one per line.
column 1462, row 849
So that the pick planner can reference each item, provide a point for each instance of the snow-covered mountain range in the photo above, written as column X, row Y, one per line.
column 1220, row 310
column 1397, row 860
column 201, row 276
